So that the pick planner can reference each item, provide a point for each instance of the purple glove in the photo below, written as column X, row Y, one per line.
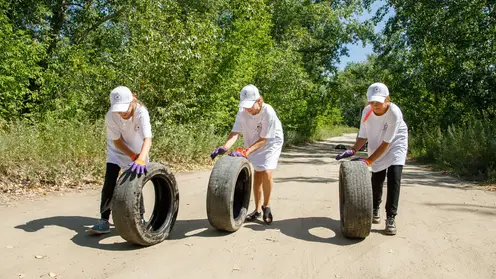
column 218, row 151
column 236, row 154
column 138, row 167
column 345, row 154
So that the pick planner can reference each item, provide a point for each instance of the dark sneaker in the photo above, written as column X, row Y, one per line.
column 100, row 228
column 376, row 218
column 253, row 216
column 390, row 226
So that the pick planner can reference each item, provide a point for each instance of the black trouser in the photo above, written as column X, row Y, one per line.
column 393, row 188
column 111, row 176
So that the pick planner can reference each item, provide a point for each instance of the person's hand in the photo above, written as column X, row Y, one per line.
column 365, row 160
column 139, row 167
column 218, row 151
column 345, row 154
column 239, row 152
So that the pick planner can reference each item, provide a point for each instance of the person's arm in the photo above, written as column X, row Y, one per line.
column 119, row 143
column 394, row 122
column 258, row 144
column 145, row 149
column 362, row 132
column 359, row 144
column 268, row 130
column 231, row 139
column 115, row 135
column 379, row 151
column 145, row 133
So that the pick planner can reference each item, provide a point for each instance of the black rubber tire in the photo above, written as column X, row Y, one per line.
column 228, row 193
column 355, row 199
column 126, row 205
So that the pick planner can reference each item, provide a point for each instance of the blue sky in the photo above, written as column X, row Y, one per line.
column 356, row 52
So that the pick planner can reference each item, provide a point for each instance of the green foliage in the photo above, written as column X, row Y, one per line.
column 442, row 58
column 438, row 60
column 465, row 149
column 19, row 56
column 186, row 60
column 351, row 87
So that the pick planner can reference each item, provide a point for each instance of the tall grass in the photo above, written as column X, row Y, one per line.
column 466, row 150
column 67, row 154
column 185, row 147
column 59, row 153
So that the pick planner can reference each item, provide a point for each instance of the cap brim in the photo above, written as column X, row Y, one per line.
column 120, row 107
column 379, row 99
column 246, row 104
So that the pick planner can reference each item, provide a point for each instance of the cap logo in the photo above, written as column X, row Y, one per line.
column 377, row 89
column 117, row 97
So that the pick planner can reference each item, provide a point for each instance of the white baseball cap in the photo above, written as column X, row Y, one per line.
column 377, row 92
column 248, row 96
column 120, row 98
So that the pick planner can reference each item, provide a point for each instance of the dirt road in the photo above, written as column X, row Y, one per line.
column 446, row 229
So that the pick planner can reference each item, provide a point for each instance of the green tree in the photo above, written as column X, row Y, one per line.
column 442, row 56
column 19, row 57
column 351, row 86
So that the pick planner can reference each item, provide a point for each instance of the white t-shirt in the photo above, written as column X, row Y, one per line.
column 267, row 125
column 133, row 132
column 389, row 127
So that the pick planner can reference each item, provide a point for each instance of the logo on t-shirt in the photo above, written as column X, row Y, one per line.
column 385, row 126
column 136, row 127
column 259, row 128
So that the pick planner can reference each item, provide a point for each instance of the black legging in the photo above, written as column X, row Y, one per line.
column 111, row 176
column 393, row 188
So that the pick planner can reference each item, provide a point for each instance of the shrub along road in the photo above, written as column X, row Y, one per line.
column 446, row 229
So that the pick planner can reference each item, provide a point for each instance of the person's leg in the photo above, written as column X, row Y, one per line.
column 267, row 187
column 267, row 192
column 111, row 175
column 393, row 195
column 377, row 184
column 257, row 194
column 257, row 190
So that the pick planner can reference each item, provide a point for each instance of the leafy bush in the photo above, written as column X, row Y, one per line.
column 467, row 150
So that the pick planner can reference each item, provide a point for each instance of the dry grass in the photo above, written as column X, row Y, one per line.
column 61, row 156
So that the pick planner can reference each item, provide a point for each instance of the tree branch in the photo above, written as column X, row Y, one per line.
column 57, row 22
column 73, row 4
column 86, row 32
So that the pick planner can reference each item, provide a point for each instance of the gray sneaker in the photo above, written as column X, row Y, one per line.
column 101, row 227
column 390, row 226
column 376, row 218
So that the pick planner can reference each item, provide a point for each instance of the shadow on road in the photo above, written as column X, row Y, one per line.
column 82, row 238
column 300, row 228
column 198, row 228
column 182, row 229
column 461, row 207
column 305, row 179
